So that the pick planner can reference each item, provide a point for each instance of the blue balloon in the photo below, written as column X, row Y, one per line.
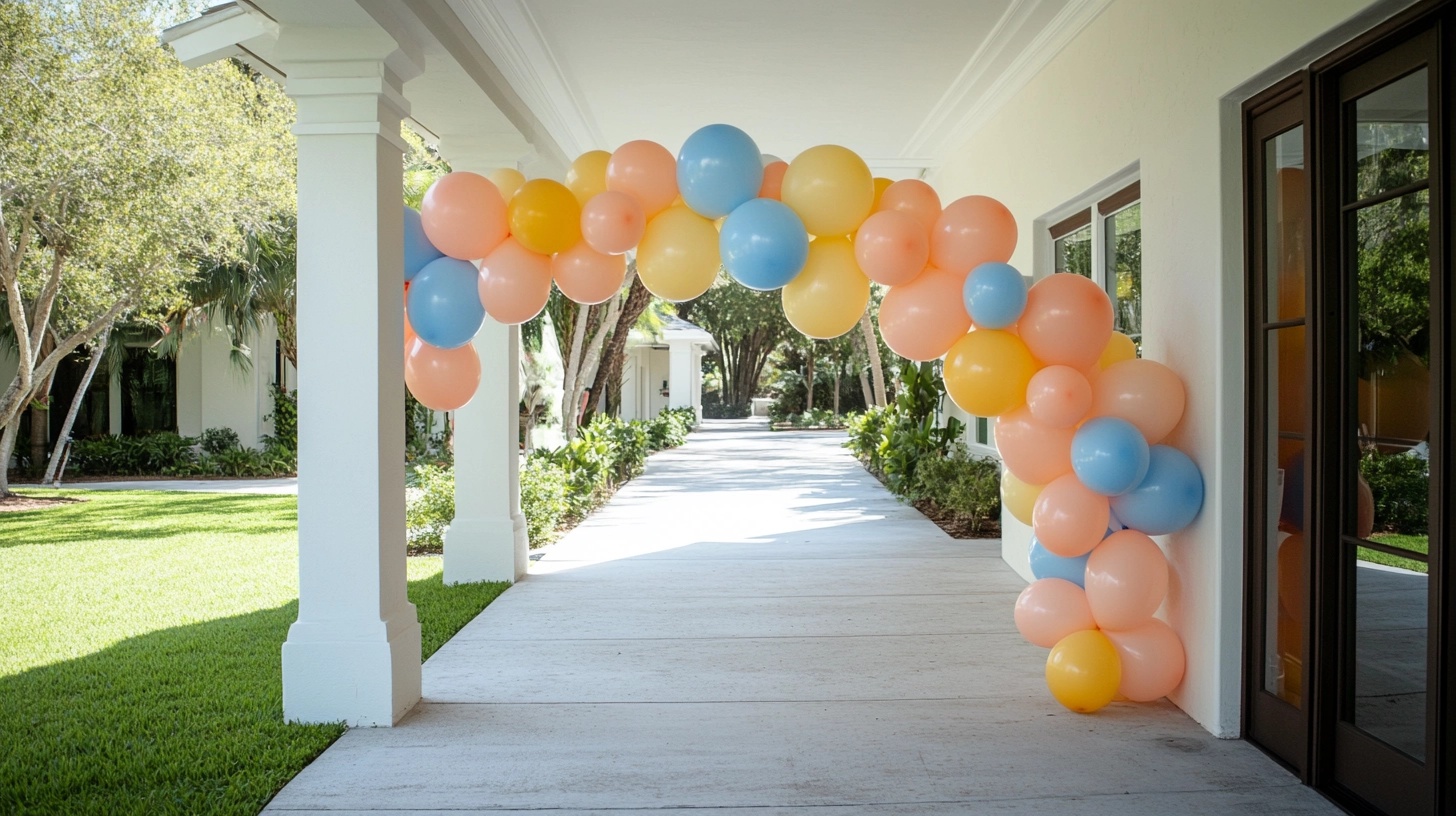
column 1169, row 497
column 995, row 295
column 763, row 244
column 718, row 168
column 418, row 251
column 1045, row 564
column 444, row 303
column 1109, row 455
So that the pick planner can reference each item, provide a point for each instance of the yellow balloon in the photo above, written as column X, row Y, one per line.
column 1120, row 347
column 588, row 175
column 830, row 188
column 881, row 184
column 506, row 179
column 1018, row 496
column 828, row 297
column 987, row 371
column 545, row 217
column 1083, row 671
column 678, row 256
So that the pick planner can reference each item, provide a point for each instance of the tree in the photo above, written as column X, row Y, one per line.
column 748, row 326
column 608, row 381
column 118, row 168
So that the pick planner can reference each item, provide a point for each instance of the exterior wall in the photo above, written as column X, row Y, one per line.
column 1155, row 86
column 213, row 392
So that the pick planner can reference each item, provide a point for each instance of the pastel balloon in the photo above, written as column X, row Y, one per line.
column 922, row 319
column 1068, row 320
column 678, row 257
column 612, row 222
column 1037, row 453
column 418, row 250
column 828, row 298
column 1018, row 496
column 545, row 216
column 1047, row 564
column 646, row 171
column 891, row 248
column 1109, row 455
column 881, row 185
column 1127, row 580
column 1144, row 392
column 444, row 307
column 972, row 231
column 986, row 372
column 1119, row 347
column 769, row 158
column 587, row 176
column 1083, row 671
column 995, row 295
column 514, row 282
column 763, row 244
column 773, row 180
column 441, row 379
column 506, row 179
column 718, row 168
column 916, row 199
column 1069, row 519
column 830, row 188
column 1169, row 497
column 1050, row 609
column 587, row 276
column 464, row 215
column 1059, row 396
column 1152, row 660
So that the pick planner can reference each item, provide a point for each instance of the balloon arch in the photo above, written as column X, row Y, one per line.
column 1080, row 415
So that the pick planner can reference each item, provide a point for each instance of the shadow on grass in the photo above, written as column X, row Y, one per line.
column 149, row 515
column 181, row 720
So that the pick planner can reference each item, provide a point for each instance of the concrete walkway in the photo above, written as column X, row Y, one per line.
column 756, row 627
column 287, row 486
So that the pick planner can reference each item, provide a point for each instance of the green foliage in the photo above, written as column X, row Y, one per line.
column 151, row 455
column 817, row 418
column 865, row 430
column 424, row 442
column 429, row 508
column 911, row 434
column 747, row 326
column 716, row 409
column 964, row 486
column 285, row 420
column 629, row 444
column 1401, row 484
column 543, row 499
column 218, row 440
column 670, row 428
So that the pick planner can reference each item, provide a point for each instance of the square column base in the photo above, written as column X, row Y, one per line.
column 329, row 677
column 485, row 549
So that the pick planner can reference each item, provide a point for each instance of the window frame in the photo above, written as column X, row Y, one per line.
column 1094, row 208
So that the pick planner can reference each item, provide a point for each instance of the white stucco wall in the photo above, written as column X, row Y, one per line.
column 213, row 392
column 1155, row 85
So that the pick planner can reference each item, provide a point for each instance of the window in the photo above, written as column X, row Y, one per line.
column 148, row 393
column 1103, row 241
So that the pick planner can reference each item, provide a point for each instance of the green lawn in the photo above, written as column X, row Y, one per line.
column 1410, row 542
column 139, row 652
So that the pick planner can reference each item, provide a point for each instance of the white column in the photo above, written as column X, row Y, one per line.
column 354, row 652
column 679, row 374
column 487, row 539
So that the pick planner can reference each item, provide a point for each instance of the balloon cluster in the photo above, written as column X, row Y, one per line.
column 819, row 228
column 1081, row 419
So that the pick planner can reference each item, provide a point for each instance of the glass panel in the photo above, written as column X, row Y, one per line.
column 149, row 393
column 1392, row 136
column 1390, row 655
column 1073, row 252
column 983, row 431
column 1125, row 270
column 1286, row 592
column 1287, row 208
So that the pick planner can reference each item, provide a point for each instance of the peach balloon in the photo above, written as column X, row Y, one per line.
column 830, row 295
column 506, row 179
column 1050, row 609
column 1059, row 396
column 1144, row 392
column 587, row 176
column 514, row 282
column 612, row 222
column 891, row 248
column 922, row 319
column 913, row 197
column 647, row 172
column 587, row 276
column 986, row 372
column 773, row 180
column 1035, row 452
column 1153, row 661
column 1069, row 520
column 972, row 231
column 442, row 379
column 1067, row 320
column 464, row 215
column 1126, row 580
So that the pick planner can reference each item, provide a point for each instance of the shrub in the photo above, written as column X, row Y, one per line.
column 865, row 431
column 217, row 440
column 153, row 454
column 910, row 434
column 968, row 487
column 1401, row 483
column 817, row 418
column 627, row 441
column 721, row 410
column 285, row 420
column 543, row 498
column 429, row 508
column 670, row 428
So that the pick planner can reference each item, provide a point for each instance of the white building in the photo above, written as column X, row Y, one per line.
column 665, row 370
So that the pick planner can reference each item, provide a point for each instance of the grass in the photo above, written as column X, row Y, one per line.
column 139, row 652
column 1410, row 542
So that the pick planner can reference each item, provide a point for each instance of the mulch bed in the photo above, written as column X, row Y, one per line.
column 18, row 503
column 956, row 526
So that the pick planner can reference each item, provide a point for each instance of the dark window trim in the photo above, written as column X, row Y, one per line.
column 1122, row 199
column 1070, row 224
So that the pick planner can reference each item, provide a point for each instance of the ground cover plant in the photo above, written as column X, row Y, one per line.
column 139, row 652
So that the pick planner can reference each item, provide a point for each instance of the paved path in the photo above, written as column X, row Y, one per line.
column 756, row 627
column 283, row 486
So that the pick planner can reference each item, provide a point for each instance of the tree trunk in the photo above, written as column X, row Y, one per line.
column 837, row 367
column 608, row 380
column 872, row 348
column 573, row 363
column 864, row 388
column 809, row 381
column 97, row 348
column 40, row 430
column 7, row 446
